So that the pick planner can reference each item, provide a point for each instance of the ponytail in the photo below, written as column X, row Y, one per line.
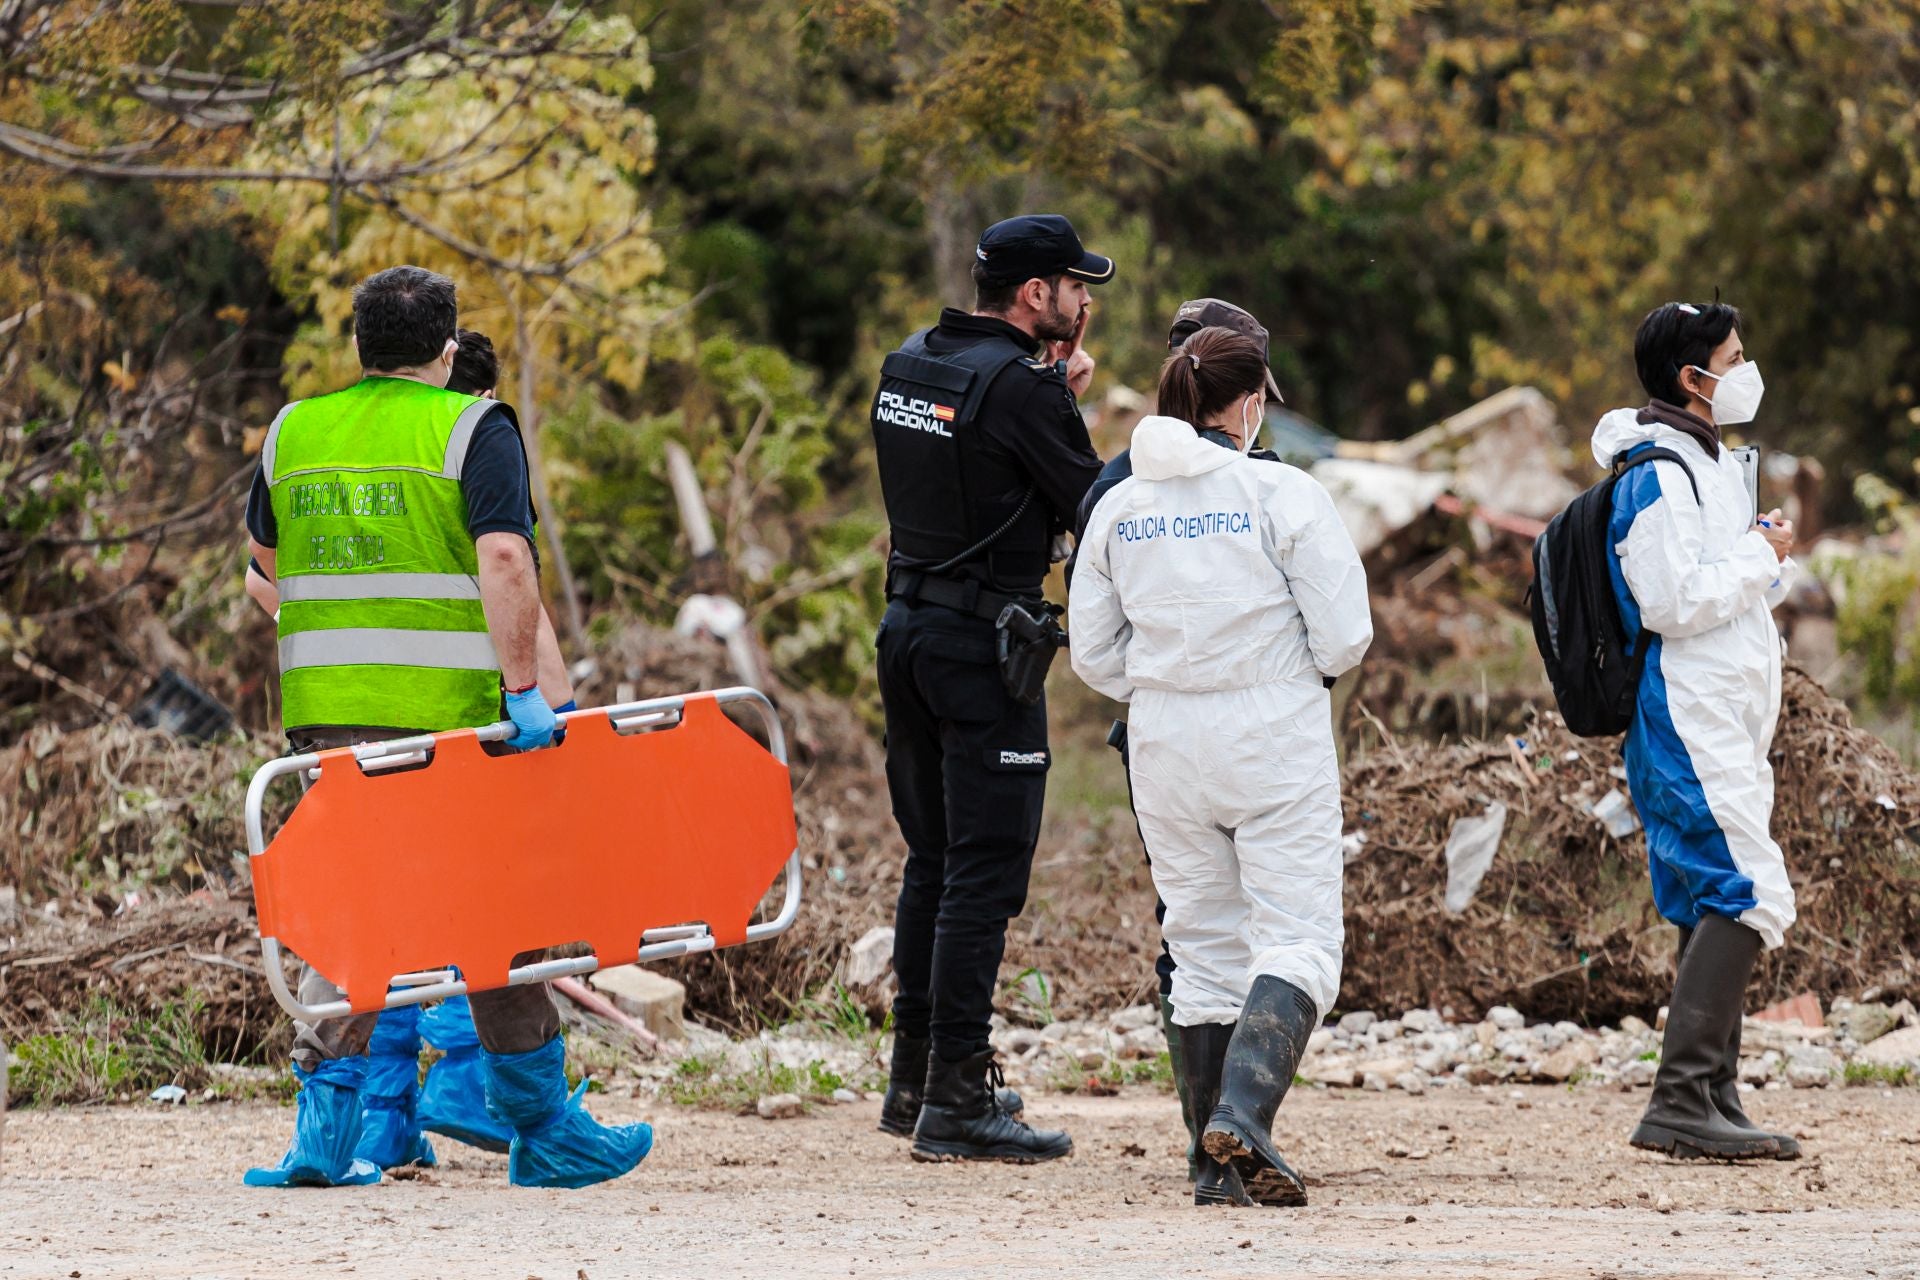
column 1208, row 372
column 1180, row 387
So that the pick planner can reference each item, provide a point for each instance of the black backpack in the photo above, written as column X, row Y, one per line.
column 1576, row 620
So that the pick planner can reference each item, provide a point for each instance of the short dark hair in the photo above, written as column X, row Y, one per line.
column 475, row 367
column 995, row 295
column 1208, row 372
column 1675, row 336
column 402, row 317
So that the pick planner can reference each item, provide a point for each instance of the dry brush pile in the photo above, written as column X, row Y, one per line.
column 1561, row 926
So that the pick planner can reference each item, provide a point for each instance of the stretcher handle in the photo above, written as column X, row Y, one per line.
column 663, row 943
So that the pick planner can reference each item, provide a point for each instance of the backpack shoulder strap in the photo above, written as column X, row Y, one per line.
column 1623, row 463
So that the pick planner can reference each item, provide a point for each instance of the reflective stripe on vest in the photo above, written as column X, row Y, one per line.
column 378, row 586
column 381, row 647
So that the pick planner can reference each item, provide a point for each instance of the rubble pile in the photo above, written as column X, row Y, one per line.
column 1560, row 922
column 1422, row 1049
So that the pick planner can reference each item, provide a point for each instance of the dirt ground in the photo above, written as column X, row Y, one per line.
column 1542, row 1185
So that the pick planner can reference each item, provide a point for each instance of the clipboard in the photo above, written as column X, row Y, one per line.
column 1748, row 456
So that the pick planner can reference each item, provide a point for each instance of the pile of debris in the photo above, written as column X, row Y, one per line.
column 128, row 866
column 1512, row 872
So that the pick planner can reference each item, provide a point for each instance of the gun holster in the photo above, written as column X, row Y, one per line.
column 1026, row 643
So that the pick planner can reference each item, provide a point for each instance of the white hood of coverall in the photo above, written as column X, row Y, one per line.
column 1167, row 447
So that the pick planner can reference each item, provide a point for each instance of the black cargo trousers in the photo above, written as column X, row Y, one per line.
column 967, row 771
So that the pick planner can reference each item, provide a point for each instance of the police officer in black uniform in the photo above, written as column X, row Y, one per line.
column 983, row 461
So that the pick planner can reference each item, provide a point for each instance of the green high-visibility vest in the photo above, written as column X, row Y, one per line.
column 380, row 615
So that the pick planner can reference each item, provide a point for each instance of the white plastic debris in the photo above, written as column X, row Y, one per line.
column 1376, row 499
column 168, row 1093
column 1616, row 811
column 1470, row 849
column 1885, row 802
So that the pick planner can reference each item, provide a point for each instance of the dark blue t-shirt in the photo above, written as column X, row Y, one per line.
column 493, row 480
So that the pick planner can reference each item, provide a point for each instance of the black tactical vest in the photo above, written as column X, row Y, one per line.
column 943, row 493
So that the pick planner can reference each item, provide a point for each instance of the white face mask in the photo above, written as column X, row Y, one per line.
column 1736, row 393
column 1249, row 432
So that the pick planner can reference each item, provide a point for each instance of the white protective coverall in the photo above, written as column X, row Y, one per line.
column 1696, row 575
column 1213, row 593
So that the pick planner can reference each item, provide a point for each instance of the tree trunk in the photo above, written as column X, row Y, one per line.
column 529, row 410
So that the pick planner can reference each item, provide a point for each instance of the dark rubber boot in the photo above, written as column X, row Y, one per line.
column 906, row 1088
column 1176, row 1050
column 1203, row 1057
column 962, row 1118
column 1681, row 1118
column 1725, row 1083
column 1261, row 1061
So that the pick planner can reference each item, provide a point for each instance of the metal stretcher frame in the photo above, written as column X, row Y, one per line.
column 658, row 943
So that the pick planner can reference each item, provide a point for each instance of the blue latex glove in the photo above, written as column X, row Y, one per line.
column 560, row 734
column 532, row 718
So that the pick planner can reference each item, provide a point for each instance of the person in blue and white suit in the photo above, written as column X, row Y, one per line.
column 1696, row 574
column 1219, row 596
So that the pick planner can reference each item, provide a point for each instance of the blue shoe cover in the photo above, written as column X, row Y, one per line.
column 555, row 1142
column 389, row 1134
column 453, row 1101
column 326, row 1127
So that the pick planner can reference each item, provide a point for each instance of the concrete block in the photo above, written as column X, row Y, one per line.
column 657, row 1001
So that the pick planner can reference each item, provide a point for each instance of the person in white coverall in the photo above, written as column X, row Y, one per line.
column 1219, row 596
column 1696, row 574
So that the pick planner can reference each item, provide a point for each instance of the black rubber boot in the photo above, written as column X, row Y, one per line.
column 1261, row 1061
column 1725, row 1083
column 1189, row 1115
column 1681, row 1118
column 906, row 1087
column 962, row 1119
column 1204, row 1056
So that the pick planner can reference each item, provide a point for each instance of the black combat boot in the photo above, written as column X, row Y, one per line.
column 1725, row 1083
column 1189, row 1114
column 906, row 1085
column 1203, row 1055
column 962, row 1118
column 1681, row 1118
column 1266, row 1051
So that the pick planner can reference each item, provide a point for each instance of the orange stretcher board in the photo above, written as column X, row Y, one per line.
column 654, row 830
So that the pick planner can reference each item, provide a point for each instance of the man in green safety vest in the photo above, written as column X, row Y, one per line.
column 396, row 1105
column 393, row 520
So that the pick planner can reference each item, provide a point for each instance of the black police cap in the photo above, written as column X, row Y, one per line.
column 1037, row 245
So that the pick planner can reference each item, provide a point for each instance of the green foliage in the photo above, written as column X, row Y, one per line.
column 833, row 1009
column 1424, row 202
column 1899, row 1076
column 1033, row 993
column 764, row 446
column 1615, row 157
column 710, row 1084
column 54, row 1067
column 1875, row 598
column 105, row 1052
